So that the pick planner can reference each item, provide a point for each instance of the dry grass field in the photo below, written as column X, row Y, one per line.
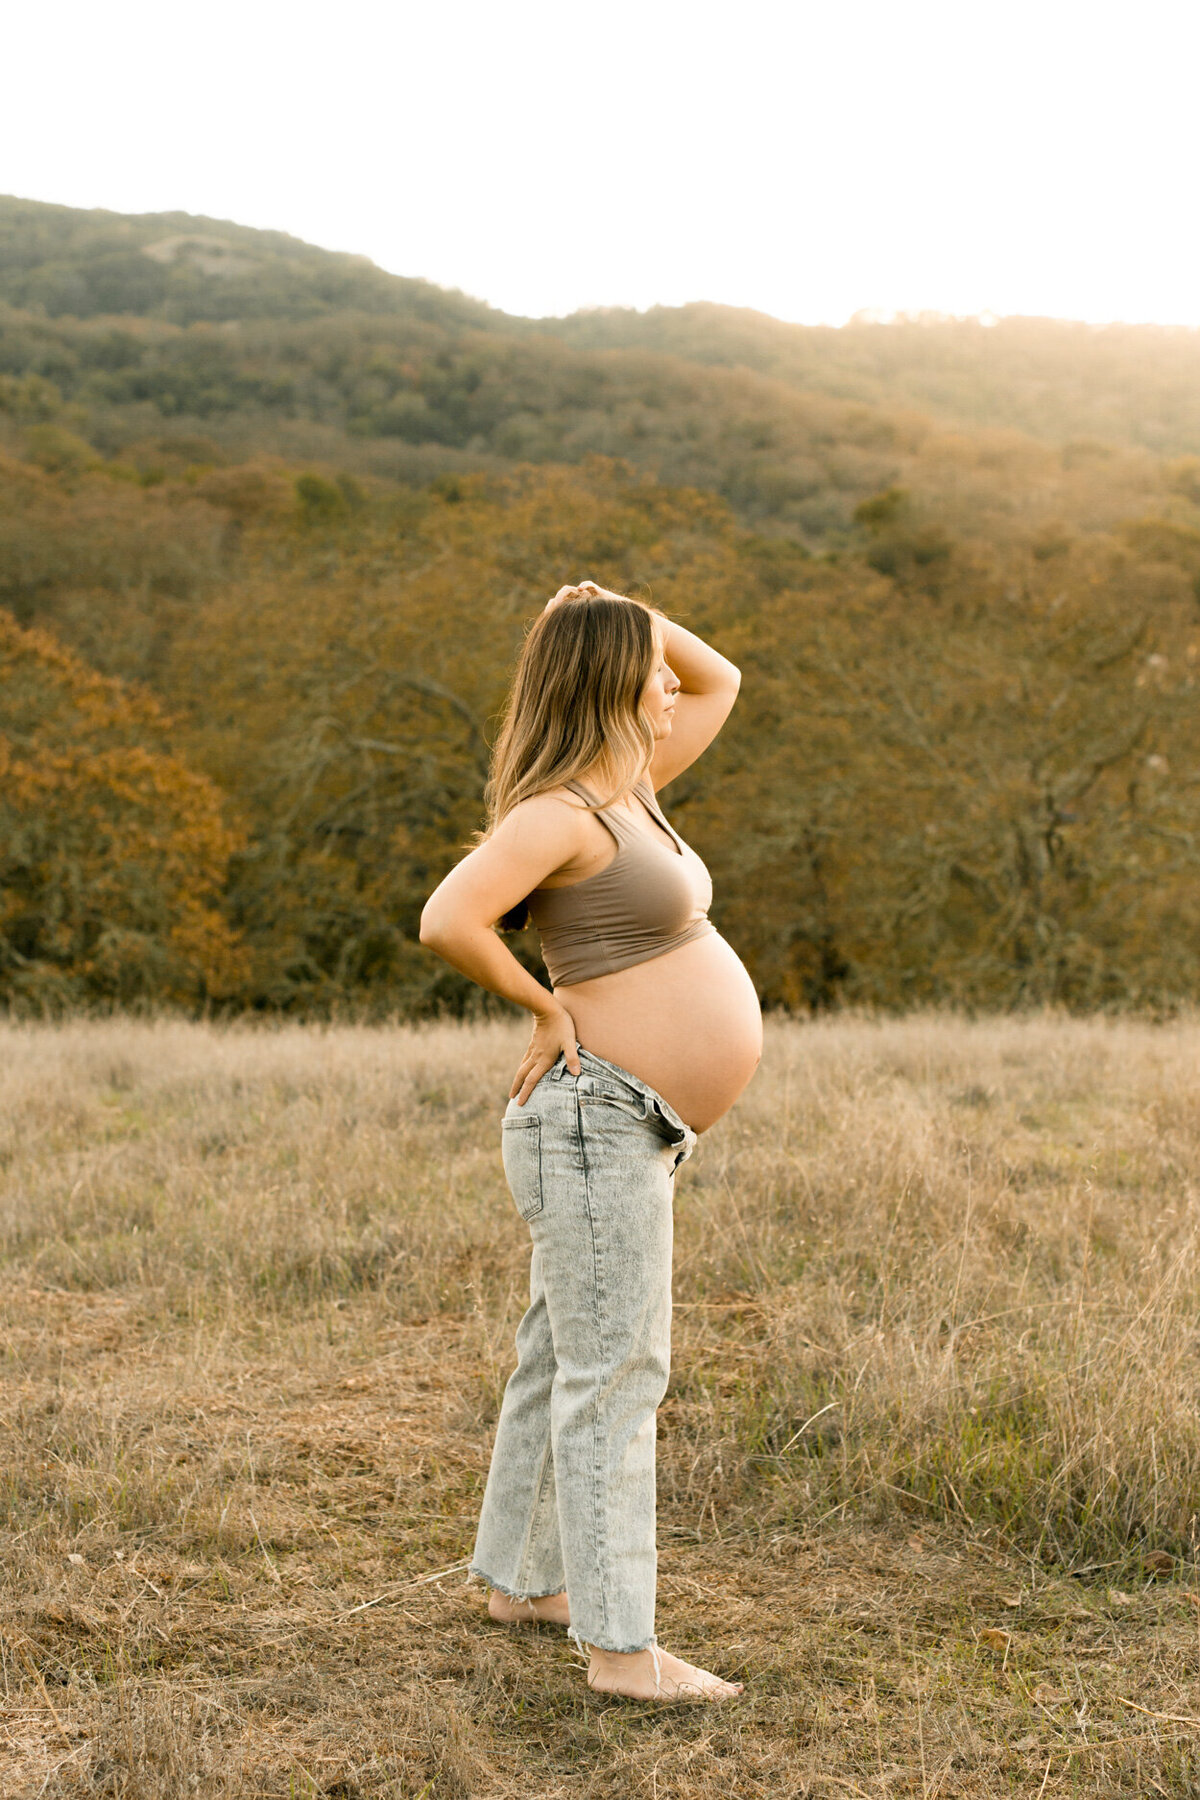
column 929, row 1463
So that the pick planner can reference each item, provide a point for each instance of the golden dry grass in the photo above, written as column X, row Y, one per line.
column 929, row 1464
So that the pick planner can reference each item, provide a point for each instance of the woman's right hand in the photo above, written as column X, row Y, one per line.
column 552, row 1032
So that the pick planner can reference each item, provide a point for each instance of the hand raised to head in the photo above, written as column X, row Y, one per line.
column 573, row 593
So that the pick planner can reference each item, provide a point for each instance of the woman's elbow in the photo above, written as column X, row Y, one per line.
column 432, row 928
column 439, row 927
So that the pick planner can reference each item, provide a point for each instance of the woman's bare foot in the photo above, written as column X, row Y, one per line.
column 655, row 1675
column 550, row 1608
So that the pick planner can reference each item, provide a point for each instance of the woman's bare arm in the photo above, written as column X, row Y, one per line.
column 700, row 668
column 708, row 687
column 459, row 917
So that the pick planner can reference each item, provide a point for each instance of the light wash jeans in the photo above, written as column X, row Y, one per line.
column 570, row 1497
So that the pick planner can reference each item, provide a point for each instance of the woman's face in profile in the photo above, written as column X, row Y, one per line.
column 658, row 695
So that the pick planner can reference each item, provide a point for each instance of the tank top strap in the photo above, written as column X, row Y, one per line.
column 614, row 817
column 641, row 786
column 645, row 787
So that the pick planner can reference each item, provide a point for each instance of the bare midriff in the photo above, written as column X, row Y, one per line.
column 687, row 1022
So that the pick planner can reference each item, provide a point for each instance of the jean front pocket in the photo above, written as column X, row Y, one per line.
column 521, row 1150
column 606, row 1090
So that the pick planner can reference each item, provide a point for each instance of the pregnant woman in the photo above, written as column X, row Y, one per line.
column 651, row 1032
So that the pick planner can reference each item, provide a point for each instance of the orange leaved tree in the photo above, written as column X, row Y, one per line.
column 113, row 853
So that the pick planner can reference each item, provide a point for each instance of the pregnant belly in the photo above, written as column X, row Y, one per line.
column 688, row 1023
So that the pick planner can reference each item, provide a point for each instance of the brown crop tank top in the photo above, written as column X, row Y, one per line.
column 649, row 899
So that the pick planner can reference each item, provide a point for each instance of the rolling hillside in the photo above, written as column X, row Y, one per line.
column 184, row 339
column 272, row 523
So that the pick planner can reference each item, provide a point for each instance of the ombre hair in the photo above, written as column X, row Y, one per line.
column 574, row 703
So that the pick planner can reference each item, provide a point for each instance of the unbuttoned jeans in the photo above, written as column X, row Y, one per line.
column 570, row 1496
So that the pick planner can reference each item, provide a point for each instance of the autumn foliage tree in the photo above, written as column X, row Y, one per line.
column 347, row 682
column 312, row 512
column 113, row 853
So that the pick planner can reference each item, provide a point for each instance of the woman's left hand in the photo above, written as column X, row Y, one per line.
column 569, row 593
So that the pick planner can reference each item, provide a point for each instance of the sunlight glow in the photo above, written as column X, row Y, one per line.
column 807, row 161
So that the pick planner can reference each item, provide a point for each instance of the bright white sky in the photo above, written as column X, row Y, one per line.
column 1037, row 156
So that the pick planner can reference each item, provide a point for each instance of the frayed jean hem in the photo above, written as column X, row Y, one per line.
column 474, row 1574
column 587, row 1642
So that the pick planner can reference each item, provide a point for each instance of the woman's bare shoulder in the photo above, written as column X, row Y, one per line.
column 552, row 816
column 546, row 831
column 557, row 796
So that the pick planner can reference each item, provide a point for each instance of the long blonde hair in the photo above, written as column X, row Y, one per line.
column 574, row 703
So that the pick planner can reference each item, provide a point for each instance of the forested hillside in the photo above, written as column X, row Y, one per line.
column 166, row 336
column 272, row 523
column 1054, row 378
